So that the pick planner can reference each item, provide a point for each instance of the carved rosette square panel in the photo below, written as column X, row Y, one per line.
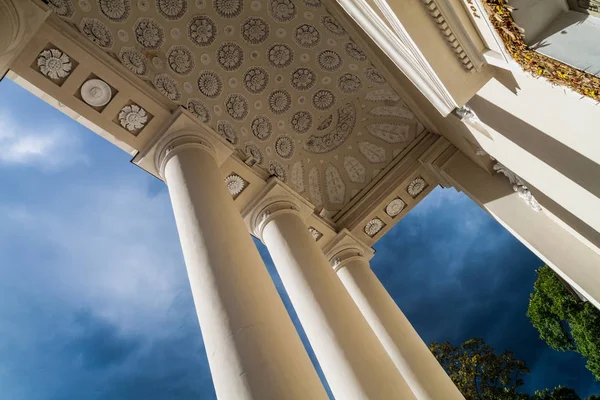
column 416, row 187
column 133, row 118
column 315, row 233
column 235, row 184
column 374, row 226
column 54, row 64
column 283, row 81
column 395, row 207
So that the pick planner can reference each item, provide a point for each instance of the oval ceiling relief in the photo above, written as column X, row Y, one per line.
column 282, row 80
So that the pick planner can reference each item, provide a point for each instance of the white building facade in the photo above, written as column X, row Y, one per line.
column 315, row 126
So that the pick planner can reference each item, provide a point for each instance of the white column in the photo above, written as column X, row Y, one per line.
column 253, row 349
column 353, row 360
column 410, row 354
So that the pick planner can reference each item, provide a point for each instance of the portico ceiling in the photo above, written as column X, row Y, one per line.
column 281, row 80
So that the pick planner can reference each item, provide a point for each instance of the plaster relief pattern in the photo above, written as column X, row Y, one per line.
column 284, row 75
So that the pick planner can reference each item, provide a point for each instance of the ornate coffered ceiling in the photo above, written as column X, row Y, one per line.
column 280, row 79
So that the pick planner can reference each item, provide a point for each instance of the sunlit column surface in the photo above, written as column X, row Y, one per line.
column 418, row 366
column 353, row 360
column 252, row 346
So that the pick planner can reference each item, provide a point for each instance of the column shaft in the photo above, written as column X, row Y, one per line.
column 353, row 360
column 418, row 366
column 253, row 349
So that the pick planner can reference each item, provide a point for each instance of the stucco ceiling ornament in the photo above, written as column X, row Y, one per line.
column 236, row 106
column 255, row 30
column 256, row 80
column 374, row 76
column 277, row 170
column 355, row 52
column 202, row 30
column 338, row 135
column 227, row 130
column 297, row 176
column 323, row 99
column 373, row 153
column 64, row 8
column 355, row 170
column 235, row 184
column 382, row 95
column 280, row 55
column 97, row 32
column 210, row 84
column 303, row 79
column 149, row 33
column 416, row 187
column 313, row 3
column 314, row 187
column 395, row 207
column 167, row 86
column 334, row 185
column 349, row 83
column 199, row 110
column 133, row 117
column 228, row 8
column 143, row 5
column 54, row 64
column 306, row 36
column 332, row 25
column 389, row 132
column 230, row 56
column 392, row 111
column 282, row 10
column 301, row 121
column 115, row 10
column 85, row 5
column 96, row 92
column 315, row 233
column 253, row 151
column 284, row 147
column 374, row 226
column 279, row 101
column 181, row 60
column 326, row 123
column 329, row 60
column 171, row 9
column 261, row 127
column 518, row 186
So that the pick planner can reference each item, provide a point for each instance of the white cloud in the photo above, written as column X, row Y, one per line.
column 49, row 148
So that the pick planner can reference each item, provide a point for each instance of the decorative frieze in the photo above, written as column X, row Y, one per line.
column 374, row 226
column 416, row 187
column 235, row 184
column 395, row 207
column 96, row 92
column 315, row 233
column 133, row 118
column 54, row 64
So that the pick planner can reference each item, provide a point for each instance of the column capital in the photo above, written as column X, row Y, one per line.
column 181, row 131
column 346, row 247
column 275, row 199
column 180, row 140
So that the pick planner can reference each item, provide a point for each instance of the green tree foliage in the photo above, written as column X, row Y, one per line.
column 563, row 321
column 479, row 373
column 559, row 393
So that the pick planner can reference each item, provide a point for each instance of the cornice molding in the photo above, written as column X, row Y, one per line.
column 453, row 31
column 401, row 49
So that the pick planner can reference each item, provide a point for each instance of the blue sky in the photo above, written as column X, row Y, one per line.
column 94, row 299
